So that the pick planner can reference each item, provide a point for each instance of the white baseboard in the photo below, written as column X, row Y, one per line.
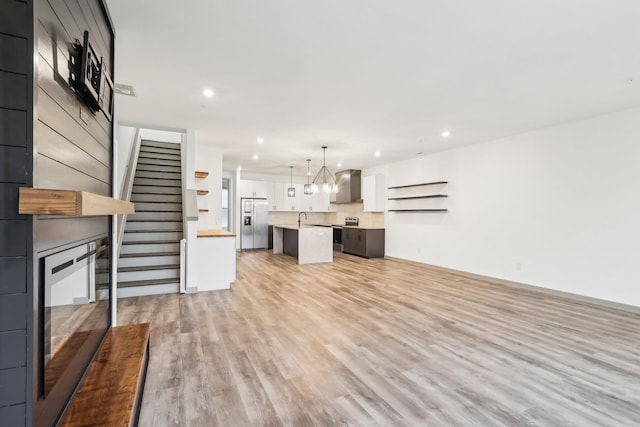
column 562, row 294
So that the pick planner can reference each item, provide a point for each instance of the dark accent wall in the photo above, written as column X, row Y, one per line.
column 16, row 154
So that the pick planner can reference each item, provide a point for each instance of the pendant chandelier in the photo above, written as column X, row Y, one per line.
column 291, row 191
column 308, row 188
column 324, row 178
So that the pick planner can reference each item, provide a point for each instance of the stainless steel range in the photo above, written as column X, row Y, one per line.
column 350, row 221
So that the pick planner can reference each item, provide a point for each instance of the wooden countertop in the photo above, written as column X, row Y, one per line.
column 215, row 233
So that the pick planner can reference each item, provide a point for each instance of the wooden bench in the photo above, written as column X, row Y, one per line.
column 110, row 393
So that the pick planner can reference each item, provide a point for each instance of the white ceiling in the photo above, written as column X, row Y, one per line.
column 367, row 75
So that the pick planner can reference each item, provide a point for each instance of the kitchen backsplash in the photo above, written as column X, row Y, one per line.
column 367, row 219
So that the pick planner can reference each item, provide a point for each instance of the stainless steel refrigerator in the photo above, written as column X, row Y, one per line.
column 254, row 220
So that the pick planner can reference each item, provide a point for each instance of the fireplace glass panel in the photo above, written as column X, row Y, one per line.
column 76, row 308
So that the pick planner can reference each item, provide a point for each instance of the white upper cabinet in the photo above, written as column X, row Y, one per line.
column 276, row 196
column 374, row 193
column 316, row 202
column 248, row 188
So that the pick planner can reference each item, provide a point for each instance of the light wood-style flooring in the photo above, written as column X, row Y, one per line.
column 382, row 342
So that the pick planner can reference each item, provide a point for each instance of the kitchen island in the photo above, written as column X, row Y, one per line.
column 309, row 244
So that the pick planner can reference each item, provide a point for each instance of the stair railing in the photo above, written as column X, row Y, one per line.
column 127, row 187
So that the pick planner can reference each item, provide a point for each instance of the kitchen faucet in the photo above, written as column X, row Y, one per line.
column 305, row 217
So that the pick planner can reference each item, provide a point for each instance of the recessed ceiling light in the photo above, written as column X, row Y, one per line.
column 255, row 157
column 445, row 134
column 239, row 168
column 339, row 165
column 208, row 93
column 377, row 154
column 259, row 140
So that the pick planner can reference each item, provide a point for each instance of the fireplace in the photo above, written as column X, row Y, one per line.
column 74, row 317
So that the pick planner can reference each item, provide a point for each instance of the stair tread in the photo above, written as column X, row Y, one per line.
column 156, row 201
column 148, row 268
column 156, row 211
column 147, row 282
column 155, row 230
column 151, row 242
column 149, row 254
column 151, row 220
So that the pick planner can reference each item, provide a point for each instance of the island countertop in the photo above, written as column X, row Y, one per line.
column 307, row 243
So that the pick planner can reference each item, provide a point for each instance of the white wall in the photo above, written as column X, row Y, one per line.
column 124, row 142
column 209, row 159
column 557, row 208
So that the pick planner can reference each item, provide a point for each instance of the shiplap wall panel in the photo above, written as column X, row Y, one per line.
column 57, row 232
column 55, row 146
column 13, row 91
column 16, row 164
column 14, row 19
column 14, row 395
column 57, row 176
column 13, row 243
column 14, row 415
column 11, row 57
column 13, row 165
column 13, row 128
column 9, row 358
column 13, row 279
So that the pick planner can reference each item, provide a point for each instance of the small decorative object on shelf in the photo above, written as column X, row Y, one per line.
column 423, row 197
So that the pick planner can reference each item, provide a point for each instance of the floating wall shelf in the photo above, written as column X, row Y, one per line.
column 431, row 196
column 39, row 201
column 418, row 185
column 418, row 210
column 203, row 210
column 201, row 174
column 202, row 192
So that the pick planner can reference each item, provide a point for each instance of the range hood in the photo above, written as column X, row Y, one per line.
column 349, row 186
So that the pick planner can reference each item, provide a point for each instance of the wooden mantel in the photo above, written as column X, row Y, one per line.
column 39, row 201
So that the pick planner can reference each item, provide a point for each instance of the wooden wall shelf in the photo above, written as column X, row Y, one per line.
column 203, row 210
column 431, row 196
column 418, row 210
column 418, row 185
column 202, row 192
column 201, row 174
column 39, row 201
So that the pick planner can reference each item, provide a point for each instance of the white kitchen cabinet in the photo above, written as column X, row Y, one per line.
column 280, row 201
column 277, row 198
column 373, row 193
column 248, row 188
column 316, row 202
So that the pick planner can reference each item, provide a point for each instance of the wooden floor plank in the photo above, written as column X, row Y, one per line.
column 384, row 342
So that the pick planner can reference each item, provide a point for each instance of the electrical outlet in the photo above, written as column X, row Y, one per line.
column 419, row 251
column 84, row 116
column 518, row 266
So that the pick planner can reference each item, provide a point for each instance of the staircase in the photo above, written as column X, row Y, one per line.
column 150, row 254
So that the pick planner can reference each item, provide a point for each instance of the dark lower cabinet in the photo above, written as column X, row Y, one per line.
column 368, row 243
